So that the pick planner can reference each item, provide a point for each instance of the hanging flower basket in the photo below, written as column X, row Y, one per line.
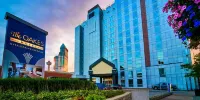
column 184, row 18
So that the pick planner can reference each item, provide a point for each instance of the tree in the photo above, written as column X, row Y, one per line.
column 194, row 68
column 184, row 18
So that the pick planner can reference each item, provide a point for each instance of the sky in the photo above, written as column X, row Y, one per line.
column 58, row 17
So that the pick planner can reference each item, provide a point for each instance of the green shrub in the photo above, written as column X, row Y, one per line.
column 112, row 93
column 24, row 96
column 61, row 95
column 39, row 85
column 95, row 97
column 9, row 95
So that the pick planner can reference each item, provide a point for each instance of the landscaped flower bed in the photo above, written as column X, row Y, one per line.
column 61, row 95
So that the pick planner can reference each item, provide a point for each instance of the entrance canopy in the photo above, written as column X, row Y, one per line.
column 103, row 68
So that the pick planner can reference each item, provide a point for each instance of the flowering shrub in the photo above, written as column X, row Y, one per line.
column 184, row 18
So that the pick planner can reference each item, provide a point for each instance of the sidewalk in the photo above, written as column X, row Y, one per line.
column 181, row 95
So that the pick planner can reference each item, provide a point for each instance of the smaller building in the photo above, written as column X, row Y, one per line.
column 54, row 74
column 61, row 61
column 105, row 70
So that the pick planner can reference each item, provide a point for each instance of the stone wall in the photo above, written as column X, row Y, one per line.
column 138, row 93
column 125, row 96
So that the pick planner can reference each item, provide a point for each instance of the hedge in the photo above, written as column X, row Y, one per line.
column 39, row 85
column 61, row 95
column 161, row 96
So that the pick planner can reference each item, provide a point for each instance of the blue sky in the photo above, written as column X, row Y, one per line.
column 58, row 17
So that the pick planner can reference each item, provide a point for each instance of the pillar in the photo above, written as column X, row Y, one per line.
column 114, row 79
column 5, row 66
column 90, row 78
column 100, row 79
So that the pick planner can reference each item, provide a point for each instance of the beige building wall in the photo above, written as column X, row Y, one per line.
column 193, row 53
column 102, row 68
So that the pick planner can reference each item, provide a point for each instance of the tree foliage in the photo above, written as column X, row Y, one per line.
column 194, row 68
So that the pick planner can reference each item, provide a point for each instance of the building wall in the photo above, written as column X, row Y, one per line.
column 91, row 42
column 130, row 43
column 166, row 48
column 193, row 53
column 77, row 59
column 135, row 37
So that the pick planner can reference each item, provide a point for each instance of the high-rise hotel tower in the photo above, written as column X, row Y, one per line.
column 135, row 37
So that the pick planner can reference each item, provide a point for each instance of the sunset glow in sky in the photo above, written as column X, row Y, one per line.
column 58, row 17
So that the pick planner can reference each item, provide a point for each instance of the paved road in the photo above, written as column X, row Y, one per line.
column 181, row 95
column 156, row 92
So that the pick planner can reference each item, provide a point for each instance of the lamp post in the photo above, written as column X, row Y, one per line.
column 48, row 63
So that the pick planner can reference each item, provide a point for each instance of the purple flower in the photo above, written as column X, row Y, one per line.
column 189, row 34
column 191, row 11
column 192, row 15
column 187, row 30
column 184, row 38
column 196, row 1
column 189, row 8
column 184, row 23
column 196, row 23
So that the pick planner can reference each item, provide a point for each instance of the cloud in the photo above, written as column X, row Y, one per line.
column 59, row 18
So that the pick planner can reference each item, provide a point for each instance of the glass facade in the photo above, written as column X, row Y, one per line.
column 119, row 39
column 167, row 53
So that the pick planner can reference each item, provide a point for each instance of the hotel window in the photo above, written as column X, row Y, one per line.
column 123, row 83
column 136, row 38
column 91, row 15
column 129, row 56
column 128, row 41
column 135, row 22
column 139, row 70
column 139, row 75
column 130, row 74
column 127, row 18
column 162, row 72
column 137, row 47
column 136, row 30
column 121, row 59
column 121, row 51
column 122, row 75
column 137, row 54
column 130, row 81
column 135, row 14
column 139, row 82
column 128, row 33
column 158, row 46
column 128, row 49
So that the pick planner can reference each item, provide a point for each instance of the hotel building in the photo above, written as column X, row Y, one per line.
column 131, row 43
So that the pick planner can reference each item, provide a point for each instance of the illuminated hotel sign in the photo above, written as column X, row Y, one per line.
column 24, row 41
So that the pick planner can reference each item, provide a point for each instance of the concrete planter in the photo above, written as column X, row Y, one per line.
column 125, row 96
column 138, row 93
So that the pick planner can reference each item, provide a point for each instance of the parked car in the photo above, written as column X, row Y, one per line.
column 100, row 86
column 113, row 87
column 116, row 87
column 163, row 86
